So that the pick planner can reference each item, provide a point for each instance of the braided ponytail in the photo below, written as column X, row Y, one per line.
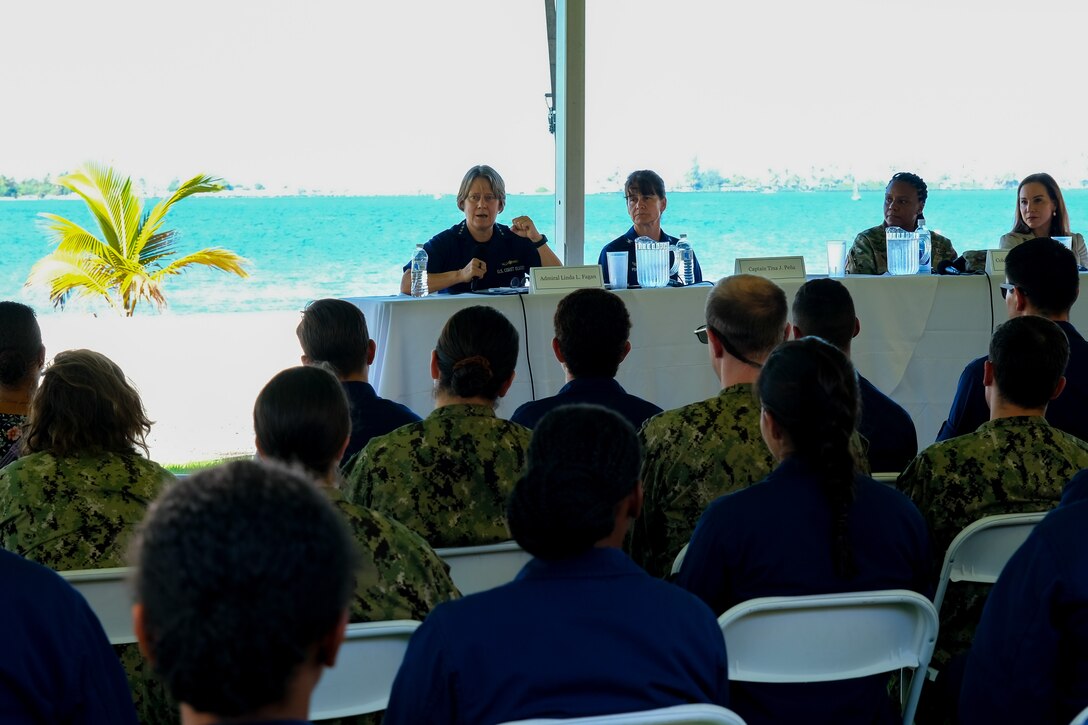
column 811, row 389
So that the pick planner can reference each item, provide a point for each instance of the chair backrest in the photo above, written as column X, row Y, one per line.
column 980, row 551
column 831, row 637
column 109, row 593
column 675, row 715
column 679, row 560
column 365, row 669
column 477, row 568
column 885, row 476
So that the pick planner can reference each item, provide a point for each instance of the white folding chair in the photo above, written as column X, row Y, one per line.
column 109, row 593
column 365, row 669
column 885, row 477
column 675, row 715
column 478, row 568
column 679, row 560
column 831, row 637
column 980, row 551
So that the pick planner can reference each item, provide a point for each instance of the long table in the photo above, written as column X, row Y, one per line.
column 917, row 333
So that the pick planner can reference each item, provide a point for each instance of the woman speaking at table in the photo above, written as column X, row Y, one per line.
column 480, row 253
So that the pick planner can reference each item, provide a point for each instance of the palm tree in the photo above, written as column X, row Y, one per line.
column 131, row 259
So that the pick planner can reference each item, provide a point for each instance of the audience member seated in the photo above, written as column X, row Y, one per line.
column 479, row 253
column 704, row 450
column 1029, row 660
column 582, row 630
column 333, row 332
column 1077, row 489
column 22, row 357
column 591, row 340
column 1041, row 279
column 74, row 498
column 448, row 476
column 56, row 665
column 1041, row 212
column 815, row 525
column 301, row 416
column 823, row 308
column 904, row 200
column 243, row 578
column 645, row 194
column 1016, row 462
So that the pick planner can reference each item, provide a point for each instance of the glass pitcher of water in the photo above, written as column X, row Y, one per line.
column 652, row 262
column 902, row 251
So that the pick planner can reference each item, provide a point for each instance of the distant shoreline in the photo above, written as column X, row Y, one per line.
column 250, row 194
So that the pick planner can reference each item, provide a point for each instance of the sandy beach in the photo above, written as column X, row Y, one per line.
column 198, row 374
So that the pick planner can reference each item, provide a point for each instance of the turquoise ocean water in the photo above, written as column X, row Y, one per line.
column 302, row 248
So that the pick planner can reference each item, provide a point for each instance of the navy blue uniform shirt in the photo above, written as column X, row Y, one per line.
column 506, row 255
column 56, row 665
column 371, row 416
column 888, row 428
column 1029, row 660
column 593, row 634
column 606, row 392
column 1066, row 413
column 626, row 243
column 773, row 539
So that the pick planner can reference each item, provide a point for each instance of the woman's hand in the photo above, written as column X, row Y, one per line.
column 523, row 226
column 475, row 269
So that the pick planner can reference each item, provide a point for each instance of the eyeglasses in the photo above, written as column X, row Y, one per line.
column 488, row 198
column 701, row 334
column 634, row 199
column 1007, row 288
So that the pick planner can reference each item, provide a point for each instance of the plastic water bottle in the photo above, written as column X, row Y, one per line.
column 686, row 255
column 925, row 242
column 419, row 272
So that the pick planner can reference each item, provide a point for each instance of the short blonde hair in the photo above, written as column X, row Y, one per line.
column 498, row 186
column 85, row 403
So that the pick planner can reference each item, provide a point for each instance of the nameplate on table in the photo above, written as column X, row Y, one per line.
column 772, row 267
column 556, row 280
column 995, row 261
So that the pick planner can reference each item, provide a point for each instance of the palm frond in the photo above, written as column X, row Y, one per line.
column 110, row 199
column 67, row 276
column 222, row 259
column 120, row 265
column 158, row 246
column 200, row 184
column 71, row 238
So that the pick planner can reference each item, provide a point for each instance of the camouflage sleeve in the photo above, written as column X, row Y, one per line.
column 402, row 577
column 357, row 486
column 861, row 257
column 647, row 533
column 942, row 250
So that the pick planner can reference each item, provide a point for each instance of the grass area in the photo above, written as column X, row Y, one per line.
column 194, row 466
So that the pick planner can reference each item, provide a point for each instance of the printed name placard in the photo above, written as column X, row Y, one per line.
column 772, row 267
column 551, row 280
column 995, row 261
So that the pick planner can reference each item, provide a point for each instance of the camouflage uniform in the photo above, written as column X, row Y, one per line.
column 1009, row 465
column 694, row 455
column 869, row 253
column 79, row 512
column 446, row 477
column 401, row 576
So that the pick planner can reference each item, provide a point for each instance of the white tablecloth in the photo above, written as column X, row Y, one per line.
column 917, row 333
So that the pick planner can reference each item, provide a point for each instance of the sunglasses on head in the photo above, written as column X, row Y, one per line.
column 701, row 333
column 1009, row 287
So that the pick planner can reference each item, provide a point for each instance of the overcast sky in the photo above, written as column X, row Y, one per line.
column 401, row 97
